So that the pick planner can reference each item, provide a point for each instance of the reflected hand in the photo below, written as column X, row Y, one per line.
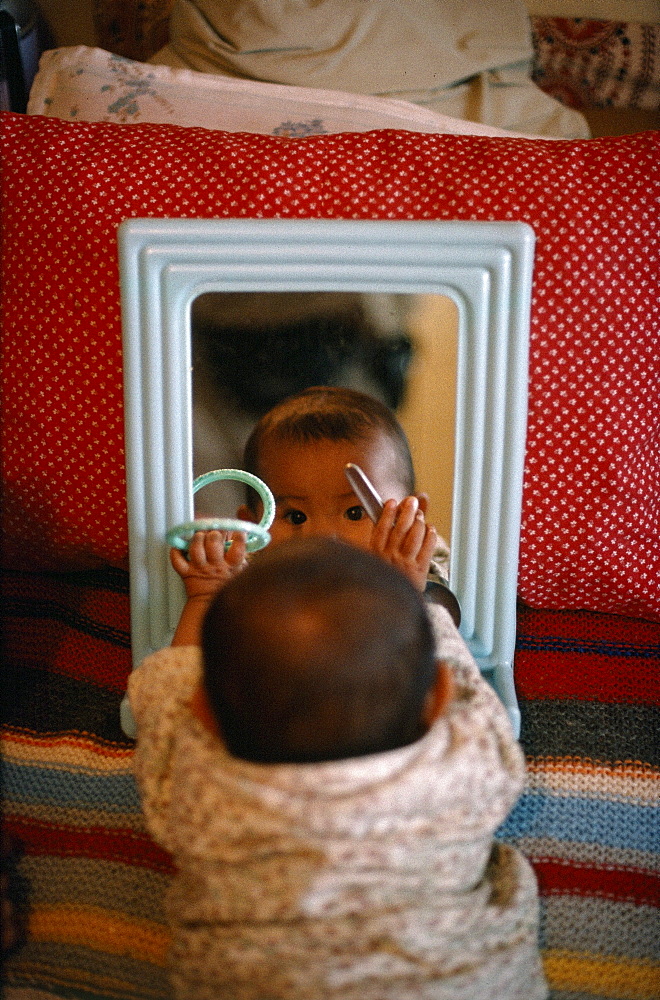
column 402, row 538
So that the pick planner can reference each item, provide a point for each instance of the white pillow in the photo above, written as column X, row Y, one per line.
column 89, row 84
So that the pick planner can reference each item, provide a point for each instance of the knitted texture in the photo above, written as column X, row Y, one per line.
column 85, row 879
column 589, row 690
column 90, row 881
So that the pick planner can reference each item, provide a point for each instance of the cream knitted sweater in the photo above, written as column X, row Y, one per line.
column 374, row 878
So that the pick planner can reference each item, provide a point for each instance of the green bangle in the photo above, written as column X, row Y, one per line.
column 257, row 534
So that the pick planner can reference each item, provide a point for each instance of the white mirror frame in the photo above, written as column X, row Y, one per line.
column 484, row 267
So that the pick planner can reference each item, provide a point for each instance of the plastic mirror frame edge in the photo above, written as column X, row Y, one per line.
column 484, row 267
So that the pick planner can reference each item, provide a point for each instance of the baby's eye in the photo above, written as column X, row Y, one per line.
column 295, row 516
column 355, row 513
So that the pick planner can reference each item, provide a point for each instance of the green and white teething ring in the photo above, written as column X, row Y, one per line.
column 257, row 534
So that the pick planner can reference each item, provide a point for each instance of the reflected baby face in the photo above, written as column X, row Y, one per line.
column 312, row 494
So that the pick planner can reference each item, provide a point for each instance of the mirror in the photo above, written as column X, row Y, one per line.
column 483, row 268
column 250, row 350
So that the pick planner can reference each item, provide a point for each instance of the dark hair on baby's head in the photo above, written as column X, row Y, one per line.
column 317, row 651
column 329, row 413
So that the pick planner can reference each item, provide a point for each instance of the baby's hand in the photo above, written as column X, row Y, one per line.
column 208, row 565
column 403, row 538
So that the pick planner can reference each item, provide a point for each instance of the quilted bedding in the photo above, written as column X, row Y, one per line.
column 583, row 62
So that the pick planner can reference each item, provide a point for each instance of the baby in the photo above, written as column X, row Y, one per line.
column 300, row 448
column 327, row 772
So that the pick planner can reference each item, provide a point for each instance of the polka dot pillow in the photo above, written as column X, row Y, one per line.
column 590, row 521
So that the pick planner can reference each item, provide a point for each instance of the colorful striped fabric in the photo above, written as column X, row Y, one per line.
column 87, row 880
column 589, row 686
column 89, row 883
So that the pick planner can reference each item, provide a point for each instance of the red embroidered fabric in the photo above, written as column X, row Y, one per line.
column 592, row 479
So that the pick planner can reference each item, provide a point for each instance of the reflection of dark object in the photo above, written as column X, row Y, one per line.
column 261, row 364
column 439, row 593
column 390, row 363
column 23, row 37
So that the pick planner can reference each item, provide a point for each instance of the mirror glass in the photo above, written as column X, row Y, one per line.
column 250, row 350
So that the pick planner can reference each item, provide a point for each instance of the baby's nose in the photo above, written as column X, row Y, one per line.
column 324, row 529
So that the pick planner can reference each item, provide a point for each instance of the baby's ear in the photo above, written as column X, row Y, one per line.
column 423, row 502
column 245, row 514
column 439, row 694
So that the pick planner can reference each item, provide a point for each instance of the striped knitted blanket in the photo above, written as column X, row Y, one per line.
column 86, row 882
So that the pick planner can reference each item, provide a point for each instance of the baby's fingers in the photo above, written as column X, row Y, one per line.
column 407, row 519
column 213, row 547
column 429, row 546
column 236, row 554
column 179, row 562
column 222, row 549
column 411, row 544
column 394, row 524
column 197, row 548
column 383, row 527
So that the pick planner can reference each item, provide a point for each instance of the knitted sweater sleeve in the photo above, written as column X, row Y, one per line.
column 160, row 691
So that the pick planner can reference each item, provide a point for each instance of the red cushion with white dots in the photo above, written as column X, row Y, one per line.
column 590, row 527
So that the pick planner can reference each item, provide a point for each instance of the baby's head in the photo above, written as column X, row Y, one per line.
column 300, row 449
column 319, row 651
